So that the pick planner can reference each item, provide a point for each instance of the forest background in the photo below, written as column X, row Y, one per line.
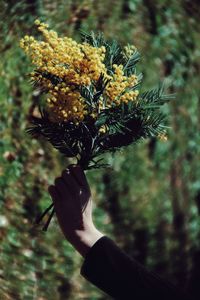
column 149, row 202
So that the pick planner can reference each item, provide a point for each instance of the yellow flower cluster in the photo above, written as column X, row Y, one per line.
column 163, row 137
column 73, row 64
column 118, row 90
column 129, row 50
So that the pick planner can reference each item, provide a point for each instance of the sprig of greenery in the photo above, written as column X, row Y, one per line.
column 124, row 124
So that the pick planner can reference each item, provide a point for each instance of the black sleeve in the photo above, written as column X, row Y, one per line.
column 121, row 277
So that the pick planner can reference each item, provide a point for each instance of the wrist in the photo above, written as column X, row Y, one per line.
column 83, row 240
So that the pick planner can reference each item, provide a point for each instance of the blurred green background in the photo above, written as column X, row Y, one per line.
column 149, row 203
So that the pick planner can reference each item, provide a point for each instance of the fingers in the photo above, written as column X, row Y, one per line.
column 53, row 193
column 70, row 181
column 79, row 175
column 61, row 187
column 58, row 191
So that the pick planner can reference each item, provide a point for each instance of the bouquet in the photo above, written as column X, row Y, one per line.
column 93, row 104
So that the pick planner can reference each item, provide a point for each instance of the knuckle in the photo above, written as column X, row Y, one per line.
column 51, row 190
column 65, row 172
column 58, row 180
column 50, row 187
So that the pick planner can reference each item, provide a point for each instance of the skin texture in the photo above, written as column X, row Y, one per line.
column 72, row 200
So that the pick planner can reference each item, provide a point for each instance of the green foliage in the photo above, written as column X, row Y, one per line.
column 125, row 123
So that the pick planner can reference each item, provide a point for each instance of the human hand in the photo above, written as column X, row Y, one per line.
column 72, row 200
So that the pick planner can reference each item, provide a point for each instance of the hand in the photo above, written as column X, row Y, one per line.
column 73, row 206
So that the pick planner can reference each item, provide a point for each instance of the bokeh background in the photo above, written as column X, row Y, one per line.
column 149, row 202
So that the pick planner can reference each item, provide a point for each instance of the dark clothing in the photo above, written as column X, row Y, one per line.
column 122, row 277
